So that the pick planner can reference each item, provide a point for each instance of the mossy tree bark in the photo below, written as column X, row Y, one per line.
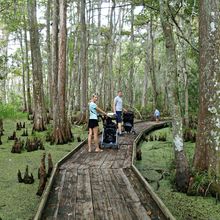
column 131, row 56
column 38, row 93
column 182, row 168
column 27, row 69
column 152, row 66
column 20, row 37
column 84, row 75
column 207, row 153
column 61, row 129
column 49, row 60
column 54, row 41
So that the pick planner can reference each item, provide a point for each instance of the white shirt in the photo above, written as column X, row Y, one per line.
column 118, row 103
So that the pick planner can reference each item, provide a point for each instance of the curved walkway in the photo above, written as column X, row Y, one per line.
column 102, row 186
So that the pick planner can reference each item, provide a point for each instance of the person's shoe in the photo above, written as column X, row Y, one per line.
column 98, row 150
column 120, row 134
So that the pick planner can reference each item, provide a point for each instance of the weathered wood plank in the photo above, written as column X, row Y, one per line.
column 90, row 159
column 85, row 156
column 119, row 208
column 84, row 206
column 51, row 204
column 109, row 159
column 126, row 188
column 145, row 198
column 73, row 158
column 120, row 157
column 68, row 201
column 101, row 204
column 128, row 157
column 59, row 195
column 131, row 199
column 97, row 162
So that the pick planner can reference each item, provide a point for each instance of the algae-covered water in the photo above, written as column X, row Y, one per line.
column 157, row 157
column 19, row 201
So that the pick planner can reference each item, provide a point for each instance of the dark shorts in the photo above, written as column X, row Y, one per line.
column 118, row 116
column 93, row 123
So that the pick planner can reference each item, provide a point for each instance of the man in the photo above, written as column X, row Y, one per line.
column 118, row 108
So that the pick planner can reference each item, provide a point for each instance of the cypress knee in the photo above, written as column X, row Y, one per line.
column 43, row 179
column 20, row 179
column 138, row 154
column 28, row 179
column 50, row 165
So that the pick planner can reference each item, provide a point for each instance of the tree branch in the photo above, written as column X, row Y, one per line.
column 182, row 34
column 184, row 38
column 4, row 8
column 125, row 5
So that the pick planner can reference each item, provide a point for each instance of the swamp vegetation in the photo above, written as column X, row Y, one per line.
column 19, row 201
column 157, row 166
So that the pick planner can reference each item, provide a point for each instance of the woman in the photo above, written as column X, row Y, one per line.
column 93, row 123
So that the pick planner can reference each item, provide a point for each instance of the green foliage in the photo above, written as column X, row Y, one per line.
column 141, row 19
column 10, row 111
column 104, row 30
column 12, row 14
column 201, row 181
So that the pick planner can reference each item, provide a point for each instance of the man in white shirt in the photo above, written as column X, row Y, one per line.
column 118, row 108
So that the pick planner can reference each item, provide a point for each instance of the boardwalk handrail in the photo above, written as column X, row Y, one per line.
column 50, row 183
column 159, row 202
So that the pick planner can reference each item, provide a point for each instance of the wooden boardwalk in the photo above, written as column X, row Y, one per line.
column 102, row 186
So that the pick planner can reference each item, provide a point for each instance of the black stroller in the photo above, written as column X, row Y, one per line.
column 128, row 121
column 109, row 137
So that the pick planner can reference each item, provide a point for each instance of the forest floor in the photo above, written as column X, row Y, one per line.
column 18, row 200
column 158, row 156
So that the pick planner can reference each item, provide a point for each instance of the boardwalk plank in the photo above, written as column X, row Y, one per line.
column 68, row 201
column 128, row 191
column 128, row 157
column 109, row 159
column 101, row 204
column 146, row 200
column 92, row 159
column 59, row 195
column 119, row 208
column 73, row 158
column 53, row 197
column 119, row 157
column 133, row 202
column 97, row 162
column 84, row 207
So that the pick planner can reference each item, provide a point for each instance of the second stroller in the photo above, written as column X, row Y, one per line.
column 128, row 121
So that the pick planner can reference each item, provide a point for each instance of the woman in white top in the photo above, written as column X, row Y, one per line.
column 93, row 123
